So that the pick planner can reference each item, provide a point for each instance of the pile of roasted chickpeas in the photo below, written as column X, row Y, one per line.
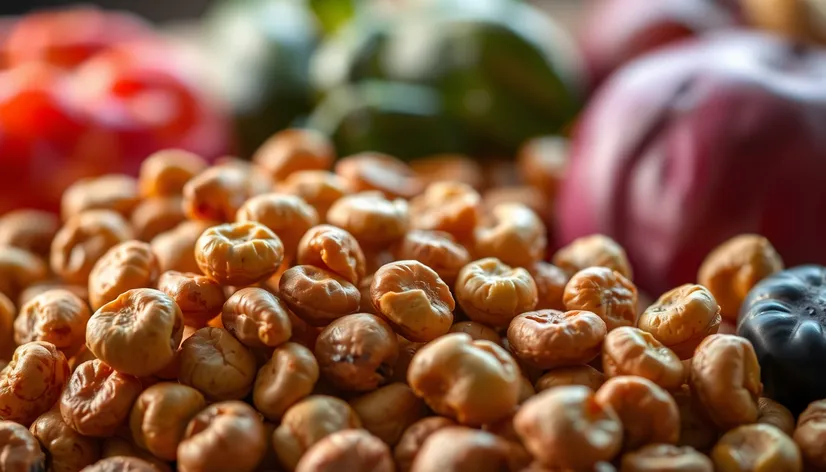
column 302, row 313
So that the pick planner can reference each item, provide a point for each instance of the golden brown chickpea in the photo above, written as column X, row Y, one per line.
column 696, row 428
column 318, row 188
column 647, row 412
column 477, row 331
column 604, row 292
column 334, row 250
column 137, row 333
column 97, row 399
column 681, row 318
column 772, row 413
column 550, row 285
column 7, row 315
column 294, row 150
column 30, row 230
column 19, row 449
column 375, row 221
column 239, row 253
column 118, row 447
column 725, row 377
column 666, row 458
column 175, row 249
column 435, row 249
column 632, row 351
column 257, row 318
column 475, row 382
column 316, row 295
column 368, row 171
column 217, row 193
column 523, row 195
column 309, row 421
column 83, row 355
column 67, row 451
column 18, row 270
column 456, row 449
column 407, row 349
column 165, row 172
column 199, row 298
column 160, row 416
column 122, row 464
column 593, row 251
column 225, row 436
column 448, row 206
column 127, row 266
column 546, row 339
column 83, row 240
column 515, row 235
column 388, row 411
column 449, row 167
column 757, row 448
column 414, row 437
column 413, row 299
column 584, row 375
column 567, row 427
column 31, row 383
column 154, row 216
column 58, row 317
column 286, row 215
column 734, row 267
column 217, row 364
column 357, row 352
column 542, row 163
column 47, row 285
column 289, row 376
column 114, row 192
column 493, row 293
column 810, row 434
column 352, row 450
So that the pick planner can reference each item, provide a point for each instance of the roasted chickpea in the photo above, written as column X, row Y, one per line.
column 137, row 333
column 121, row 464
column 199, row 298
column 435, row 249
column 318, row 188
column 257, row 318
column 175, row 249
column 154, row 216
column 128, row 265
column 19, row 449
column 7, row 318
column 388, row 411
column 374, row 220
column 217, row 364
column 696, row 428
column 448, row 206
column 550, row 285
column 666, row 458
column 67, row 451
column 357, row 352
column 31, row 383
column 239, row 253
column 97, row 399
column 567, row 427
column 475, row 382
column 414, row 437
column 293, row 150
column 584, row 375
column 593, row 251
column 493, row 293
column 165, row 172
column 309, row 421
column 477, row 331
column 316, row 295
column 160, row 416
column 632, row 351
column 58, row 317
column 449, row 167
column 542, row 163
column 289, row 376
column 353, row 450
column 514, row 234
column 334, row 250
column 114, row 192
column 456, row 449
column 604, row 292
column 523, row 195
column 407, row 349
column 647, row 412
column 681, row 318
column 772, row 413
column 368, row 171
column 286, row 215
column 225, row 436
column 756, row 447
column 115, row 447
column 30, row 230
column 811, row 434
column 546, row 339
column 39, row 288
column 18, row 270
column 217, row 193
column 83, row 240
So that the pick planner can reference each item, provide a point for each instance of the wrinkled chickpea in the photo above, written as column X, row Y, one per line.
column 116, row 192
column 154, row 216
column 316, row 295
column 320, row 189
column 550, row 285
column 287, row 216
column 477, row 331
column 373, row 171
column 121, row 464
column 19, row 449
column 175, row 249
column 493, row 293
column 388, row 411
column 334, row 250
column 19, row 269
column 309, row 421
column 83, row 240
column 115, row 447
column 514, row 234
column 649, row 415
column 413, row 438
column 696, row 428
column 30, row 230
column 542, row 163
column 758, row 448
column 772, row 413
column 372, row 219
column 447, row 206
column 593, row 251
column 294, row 150
column 31, row 383
column 451, row 168
column 632, row 351
column 475, row 382
column 165, row 172
column 681, row 318
column 584, row 375
column 546, row 339
column 199, row 298
column 257, row 318
column 67, row 451
column 128, row 265
column 217, row 193
column 224, row 436
column 567, row 427
column 357, row 352
column 239, row 253
column 58, row 317
column 160, row 415
column 435, row 249
column 456, row 449
column 287, row 377
column 352, row 450
column 217, row 364
column 666, row 458
column 605, row 292
column 810, row 434
column 38, row 288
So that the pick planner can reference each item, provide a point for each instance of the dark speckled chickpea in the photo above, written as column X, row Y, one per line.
column 31, row 383
column 548, row 338
column 57, row 316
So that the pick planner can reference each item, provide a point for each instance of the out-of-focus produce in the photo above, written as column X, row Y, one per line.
column 803, row 20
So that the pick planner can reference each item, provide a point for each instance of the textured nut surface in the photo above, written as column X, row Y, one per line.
column 217, row 193
column 318, row 188
column 287, row 377
column 160, row 416
column 56, row 316
column 317, row 296
column 493, row 293
column 681, row 318
column 546, row 339
column 550, row 285
column 353, row 450
column 128, row 265
column 368, row 171
column 756, row 447
column 811, row 434
column 593, row 251
column 217, row 364
column 515, row 235
column 666, row 458
column 632, row 351
column 165, row 172
column 448, row 206
column 584, row 375
column 116, row 192
column 257, row 318
column 175, row 249
column 32, row 381
column 121, row 464
column 772, row 413
column 387, row 411
column 468, row 449
column 294, row 150
column 154, row 216
column 374, row 220
column 83, row 240
column 19, row 449
column 332, row 249
column 239, row 253
column 30, row 230
column 67, row 451
column 18, row 270
column 435, row 249
column 413, row 438
column 199, row 297
column 605, row 292
column 288, row 216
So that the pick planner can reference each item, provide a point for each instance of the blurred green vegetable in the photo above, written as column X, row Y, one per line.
column 333, row 14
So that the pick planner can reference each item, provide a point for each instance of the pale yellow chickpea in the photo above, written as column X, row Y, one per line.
column 666, row 458
column 217, row 364
column 288, row 216
column 448, row 206
column 58, row 317
column 287, row 377
column 239, row 253
column 114, row 192
column 593, row 251
column 175, row 249
column 374, row 220
column 217, row 193
column 456, row 449
column 19, row 269
column 414, row 437
column 160, row 415
column 294, row 150
column 129, row 265
column 632, row 351
column 542, row 163
column 435, row 249
column 318, row 188
column 584, row 375
column 368, row 171
column 353, row 450
column 67, row 450
column 84, row 238
column 157, row 215
column 449, row 167
column 758, row 448
column 317, row 296
column 513, row 233
column 32, row 381
column 257, row 318
column 137, row 333
column 605, row 292
column 199, row 297
column 493, row 293
column 30, row 230
column 19, row 449
column 165, row 172
column 387, row 411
